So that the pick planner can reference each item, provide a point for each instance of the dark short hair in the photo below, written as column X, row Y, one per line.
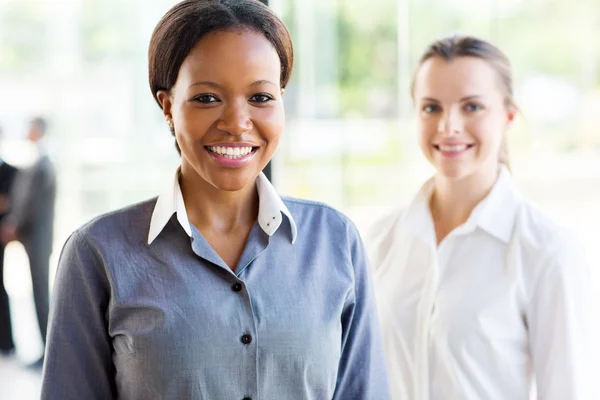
column 187, row 22
column 40, row 123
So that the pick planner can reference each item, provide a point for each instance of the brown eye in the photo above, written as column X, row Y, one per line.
column 261, row 98
column 206, row 99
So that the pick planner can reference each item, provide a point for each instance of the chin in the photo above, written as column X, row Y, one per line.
column 232, row 181
column 454, row 172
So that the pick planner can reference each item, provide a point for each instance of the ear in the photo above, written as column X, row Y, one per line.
column 166, row 101
column 511, row 114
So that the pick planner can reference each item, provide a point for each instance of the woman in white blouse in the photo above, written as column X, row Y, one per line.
column 481, row 296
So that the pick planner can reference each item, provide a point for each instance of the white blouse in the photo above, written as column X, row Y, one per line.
column 501, row 306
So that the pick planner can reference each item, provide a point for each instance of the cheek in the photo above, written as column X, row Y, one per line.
column 270, row 123
column 427, row 131
column 487, row 132
column 193, row 121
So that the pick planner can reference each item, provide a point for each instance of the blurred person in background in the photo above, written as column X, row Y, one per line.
column 481, row 296
column 7, row 175
column 31, row 220
column 218, row 288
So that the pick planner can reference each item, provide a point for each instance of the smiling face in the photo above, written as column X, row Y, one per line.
column 226, row 107
column 462, row 115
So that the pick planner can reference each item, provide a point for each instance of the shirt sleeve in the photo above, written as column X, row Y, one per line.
column 78, row 363
column 560, row 322
column 362, row 372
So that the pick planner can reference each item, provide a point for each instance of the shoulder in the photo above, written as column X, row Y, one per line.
column 90, row 252
column 540, row 234
column 123, row 225
column 381, row 237
column 45, row 165
column 309, row 206
column 309, row 212
column 384, row 224
column 548, row 251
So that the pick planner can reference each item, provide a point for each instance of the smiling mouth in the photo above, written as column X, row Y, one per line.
column 232, row 153
column 455, row 148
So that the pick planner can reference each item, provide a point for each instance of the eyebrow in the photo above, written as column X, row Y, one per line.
column 472, row 97
column 206, row 83
column 466, row 98
column 263, row 82
column 216, row 85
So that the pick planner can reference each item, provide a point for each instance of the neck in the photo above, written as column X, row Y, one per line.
column 217, row 210
column 453, row 200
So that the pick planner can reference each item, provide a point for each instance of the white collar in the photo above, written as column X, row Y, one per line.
column 495, row 213
column 171, row 201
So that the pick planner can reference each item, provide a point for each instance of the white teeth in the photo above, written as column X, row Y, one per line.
column 230, row 152
column 453, row 149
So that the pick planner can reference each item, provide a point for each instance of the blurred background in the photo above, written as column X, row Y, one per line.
column 350, row 139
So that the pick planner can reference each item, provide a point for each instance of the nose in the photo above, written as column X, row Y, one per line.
column 235, row 119
column 450, row 123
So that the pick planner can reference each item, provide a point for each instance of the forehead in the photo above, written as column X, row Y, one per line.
column 232, row 55
column 462, row 76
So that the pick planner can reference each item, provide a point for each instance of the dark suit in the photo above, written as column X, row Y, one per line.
column 7, row 175
column 32, row 213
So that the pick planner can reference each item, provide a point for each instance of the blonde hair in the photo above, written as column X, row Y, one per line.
column 456, row 46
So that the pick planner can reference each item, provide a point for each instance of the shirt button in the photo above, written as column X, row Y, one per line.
column 246, row 339
column 236, row 287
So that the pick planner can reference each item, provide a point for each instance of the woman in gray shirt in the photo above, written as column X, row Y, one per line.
column 218, row 288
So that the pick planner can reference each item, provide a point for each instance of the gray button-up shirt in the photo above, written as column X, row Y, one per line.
column 143, row 308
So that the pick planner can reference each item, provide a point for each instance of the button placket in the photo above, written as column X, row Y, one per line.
column 426, row 318
column 247, row 332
